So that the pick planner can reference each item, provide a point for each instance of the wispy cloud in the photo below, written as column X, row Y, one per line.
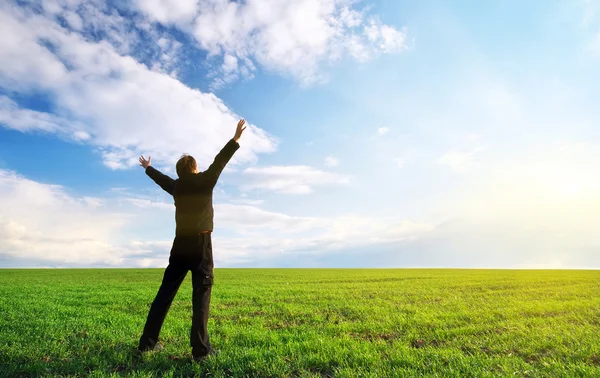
column 459, row 162
column 295, row 179
column 331, row 161
column 26, row 120
column 383, row 130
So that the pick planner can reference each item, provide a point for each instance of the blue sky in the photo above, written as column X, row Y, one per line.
column 381, row 133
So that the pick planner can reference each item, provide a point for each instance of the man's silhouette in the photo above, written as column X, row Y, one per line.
column 192, row 247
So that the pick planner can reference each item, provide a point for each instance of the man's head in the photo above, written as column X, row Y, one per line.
column 186, row 165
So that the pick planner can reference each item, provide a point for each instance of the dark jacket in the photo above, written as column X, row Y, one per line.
column 193, row 193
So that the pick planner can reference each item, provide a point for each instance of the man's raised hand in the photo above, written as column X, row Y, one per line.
column 240, row 128
column 145, row 163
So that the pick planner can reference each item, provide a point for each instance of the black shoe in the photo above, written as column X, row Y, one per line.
column 157, row 348
column 202, row 357
column 199, row 358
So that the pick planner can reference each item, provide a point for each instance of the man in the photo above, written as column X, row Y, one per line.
column 192, row 247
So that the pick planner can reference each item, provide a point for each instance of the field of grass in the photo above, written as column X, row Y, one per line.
column 307, row 323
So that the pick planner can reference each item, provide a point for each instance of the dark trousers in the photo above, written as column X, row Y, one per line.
column 189, row 253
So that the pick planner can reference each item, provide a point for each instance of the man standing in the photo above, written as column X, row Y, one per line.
column 192, row 247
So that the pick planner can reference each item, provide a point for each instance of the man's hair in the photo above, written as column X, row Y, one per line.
column 186, row 165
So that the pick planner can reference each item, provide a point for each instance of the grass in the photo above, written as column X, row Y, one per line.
column 307, row 323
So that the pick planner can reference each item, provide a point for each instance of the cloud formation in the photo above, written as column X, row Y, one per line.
column 45, row 224
column 110, row 100
column 538, row 214
column 288, row 37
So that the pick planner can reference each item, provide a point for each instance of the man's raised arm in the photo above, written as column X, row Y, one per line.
column 214, row 171
column 164, row 181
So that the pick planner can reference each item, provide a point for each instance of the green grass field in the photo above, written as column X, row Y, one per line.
column 307, row 323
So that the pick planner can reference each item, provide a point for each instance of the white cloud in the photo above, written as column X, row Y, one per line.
column 74, row 20
column 291, row 37
column 333, row 235
column 298, row 179
column 259, row 234
column 45, row 224
column 167, row 60
column 330, row 161
column 114, row 102
column 459, row 162
column 230, row 71
column 26, row 120
column 387, row 38
column 24, row 62
column 242, row 218
column 97, row 19
column 230, row 64
column 246, row 201
column 536, row 215
column 147, row 203
column 383, row 130
column 169, row 11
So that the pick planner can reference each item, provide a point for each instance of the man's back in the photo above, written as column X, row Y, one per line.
column 193, row 205
column 193, row 193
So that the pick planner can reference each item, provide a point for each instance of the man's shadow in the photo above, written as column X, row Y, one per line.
column 121, row 358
